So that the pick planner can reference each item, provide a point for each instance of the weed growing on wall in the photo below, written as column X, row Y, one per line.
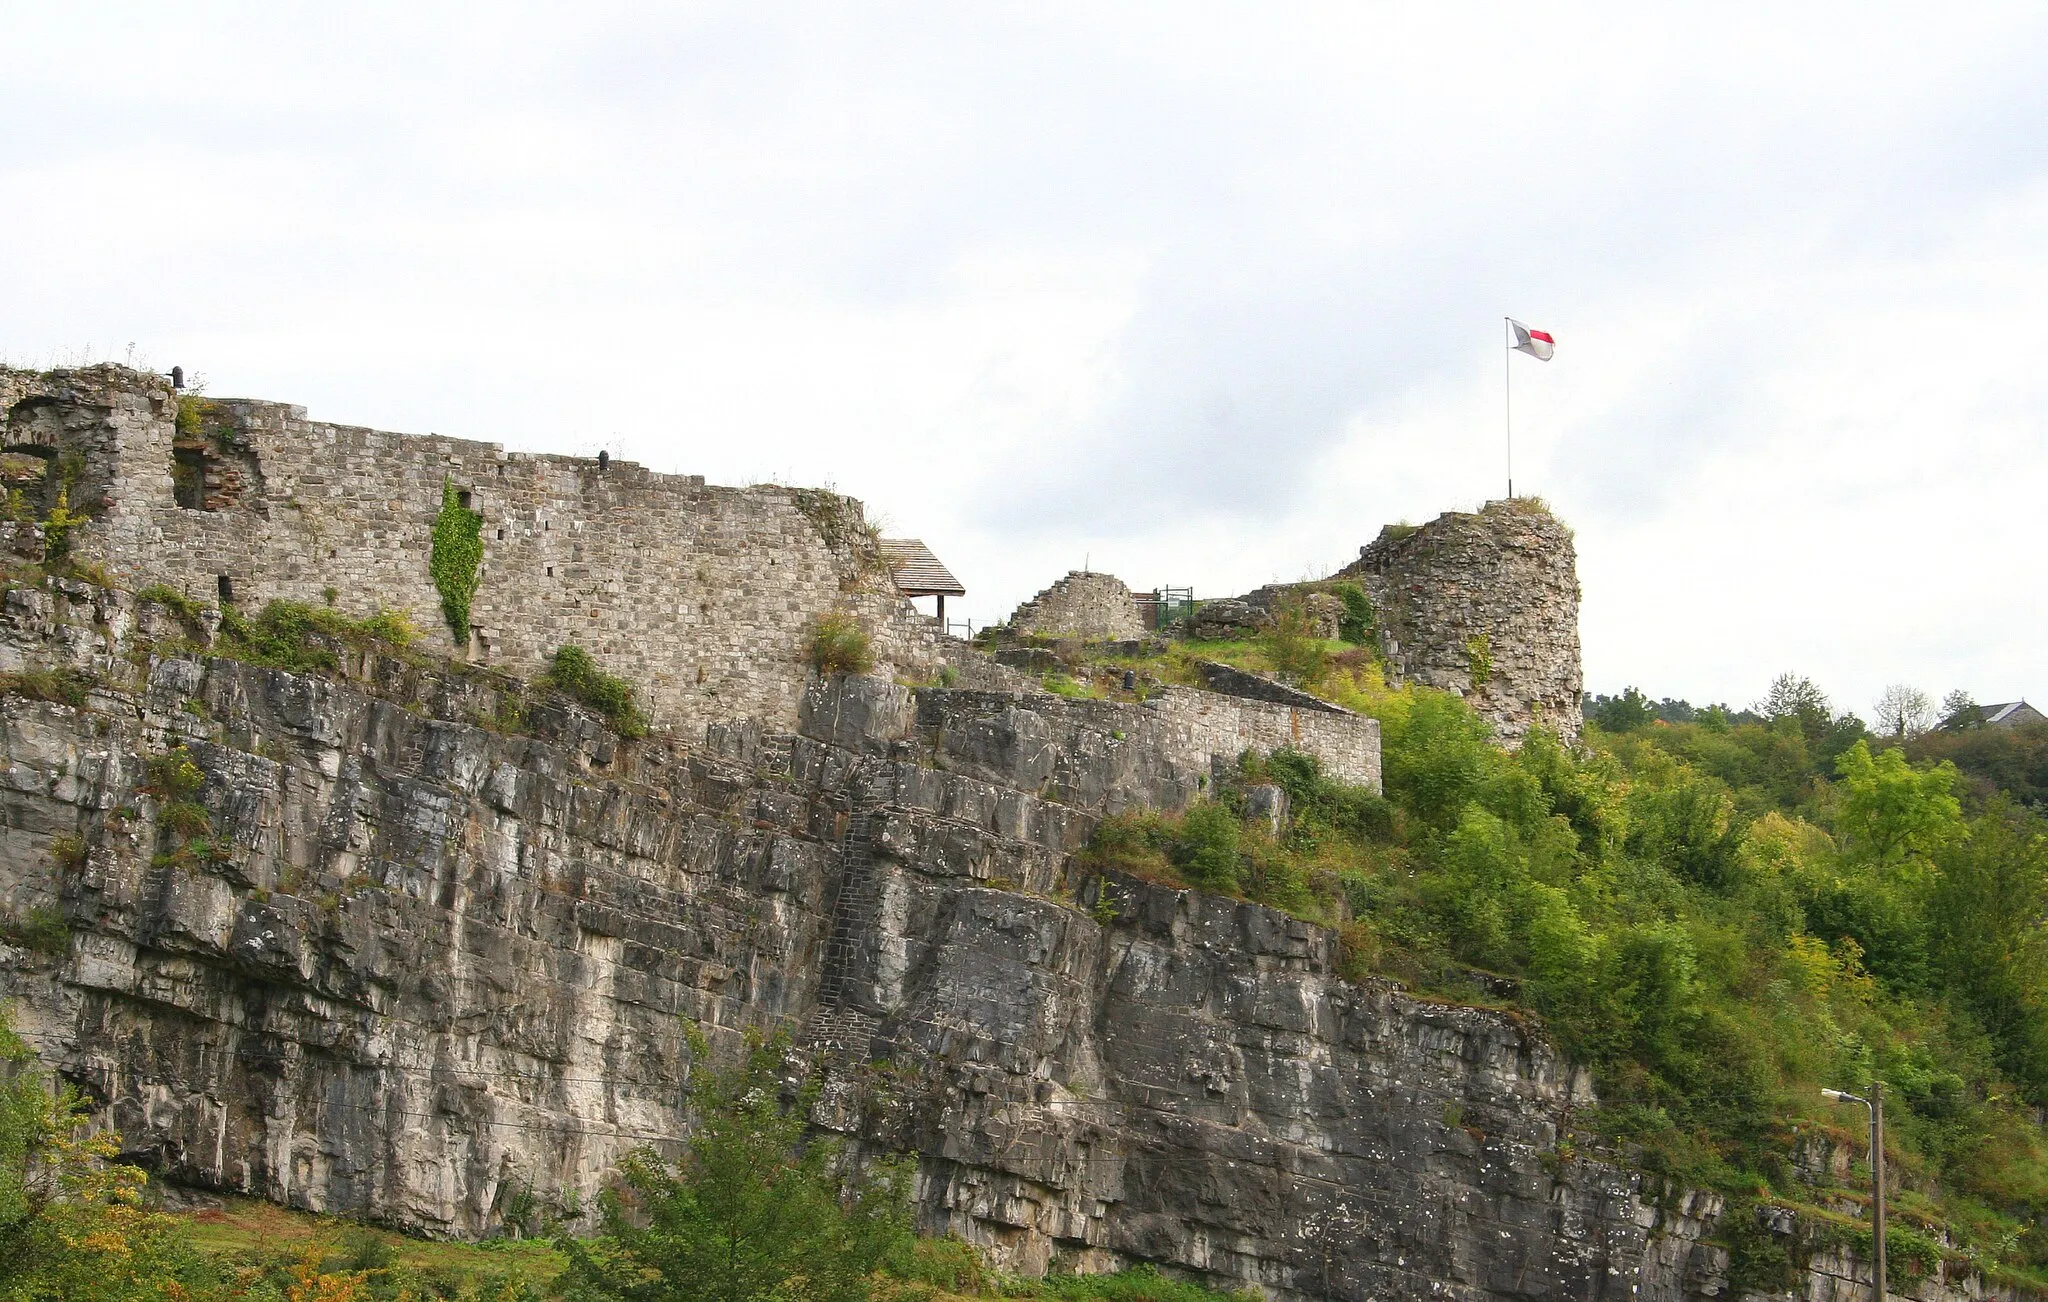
column 292, row 635
column 1360, row 622
column 457, row 560
column 1479, row 658
column 163, row 594
column 574, row 674
column 839, row 645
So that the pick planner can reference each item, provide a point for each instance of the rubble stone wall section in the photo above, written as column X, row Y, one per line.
column 1484, row 604
column 701, row 596
column 1094, row 607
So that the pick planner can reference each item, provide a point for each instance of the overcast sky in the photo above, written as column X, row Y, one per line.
column 1196, row 294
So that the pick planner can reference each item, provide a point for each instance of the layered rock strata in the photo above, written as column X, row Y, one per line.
column 421, row 967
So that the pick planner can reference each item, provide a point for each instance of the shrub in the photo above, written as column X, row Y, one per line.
column 839, row 645
column 294, row 636
column 42, row 930
column 574, row 674
column 172, row 776
column 185, row 819
column 1479, row 658
column 1134, row 844
column 1292, row 643
column 64, row 686
column 163, row 594
column 756, row 1207
column 1360, row 623
column 1206, row 850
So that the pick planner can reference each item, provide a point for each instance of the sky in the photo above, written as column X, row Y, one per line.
column 1194, row 294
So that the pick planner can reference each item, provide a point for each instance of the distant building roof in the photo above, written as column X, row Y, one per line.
column 2010, row 714
column 917, row 572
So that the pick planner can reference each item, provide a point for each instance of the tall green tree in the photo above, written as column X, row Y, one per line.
column 756, row 1211
column 1892, row 812
column 1987, row 914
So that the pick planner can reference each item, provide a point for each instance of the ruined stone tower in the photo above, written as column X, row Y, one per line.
column 1486, row 605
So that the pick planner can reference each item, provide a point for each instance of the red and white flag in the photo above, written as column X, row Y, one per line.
column 1537, row 343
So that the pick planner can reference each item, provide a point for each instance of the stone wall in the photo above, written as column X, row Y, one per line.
column 1486, row 605
column 1093, row 607
column 699, row 595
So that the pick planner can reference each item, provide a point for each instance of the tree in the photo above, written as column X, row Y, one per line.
column 755, row 1211
column 1799, row 700
column 1988, row 916
column 1904, row 711
column 1892, row 812
column 1960, row 710
column 1623, row 713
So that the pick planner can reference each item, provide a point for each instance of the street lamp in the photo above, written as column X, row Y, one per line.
column 1875, row 1103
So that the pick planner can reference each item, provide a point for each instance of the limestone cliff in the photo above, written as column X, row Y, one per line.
column 426, row 966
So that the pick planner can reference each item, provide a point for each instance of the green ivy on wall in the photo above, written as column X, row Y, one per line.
column 457, row 559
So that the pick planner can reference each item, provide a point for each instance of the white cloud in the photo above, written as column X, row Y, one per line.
column 1199, row 293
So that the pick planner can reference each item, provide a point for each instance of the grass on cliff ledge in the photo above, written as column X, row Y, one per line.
column 1345, row 670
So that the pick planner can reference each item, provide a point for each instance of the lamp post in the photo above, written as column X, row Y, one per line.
column 1875, row 1103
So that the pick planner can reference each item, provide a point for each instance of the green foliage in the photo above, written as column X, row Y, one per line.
column 163, row 594
column 41, row 930
column 1290, row 639
column 456, row 560
column 60, row 686
column 1206, row 849
column 1479, row 659
column 185, row 819
column 1141, row 1283
column 572, row 672
column 72, row 1225
column 191, row 420
column 839, row 645
column 58, row 524
column 1624, row 713
column 292, row 635
column 1717, row 915
column 172, row 776
column 1991, row 760
column 1360, row 624
column 757, row 1210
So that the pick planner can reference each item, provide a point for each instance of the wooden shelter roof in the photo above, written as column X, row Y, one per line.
column 917, row 572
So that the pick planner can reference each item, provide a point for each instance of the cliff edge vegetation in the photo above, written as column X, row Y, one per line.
column 1719, row 919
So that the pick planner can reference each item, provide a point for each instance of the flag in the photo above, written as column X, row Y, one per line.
column 1537, row 343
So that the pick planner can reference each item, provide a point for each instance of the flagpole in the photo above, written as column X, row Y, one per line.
column 1507, row 360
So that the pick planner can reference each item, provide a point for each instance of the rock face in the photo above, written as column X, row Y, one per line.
column 1093, row 607
column 1486, row 605
column 422, row 966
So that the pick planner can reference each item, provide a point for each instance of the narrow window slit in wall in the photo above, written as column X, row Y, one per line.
column 501, row 535
column 462, row 497
column 227, row 590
